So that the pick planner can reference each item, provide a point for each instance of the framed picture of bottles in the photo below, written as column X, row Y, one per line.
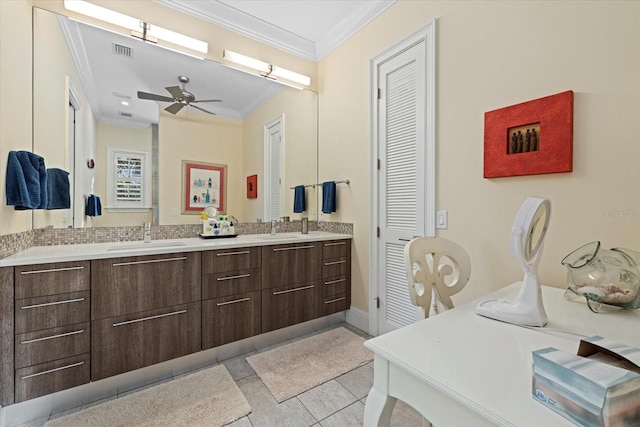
column 203, row 184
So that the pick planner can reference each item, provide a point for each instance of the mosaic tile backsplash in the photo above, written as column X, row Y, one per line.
column 13, row 243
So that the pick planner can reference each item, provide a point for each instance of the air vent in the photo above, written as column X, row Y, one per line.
column 123, row 114
column 122, row 50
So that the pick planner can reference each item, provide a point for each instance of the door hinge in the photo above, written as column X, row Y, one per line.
column 378, row 164
column 377, row 300
column 379, row 93
column 378, row 231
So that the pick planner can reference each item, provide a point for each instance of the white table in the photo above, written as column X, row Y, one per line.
column 461, row 369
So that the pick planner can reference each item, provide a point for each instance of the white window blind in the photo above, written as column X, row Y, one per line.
column 129, row 183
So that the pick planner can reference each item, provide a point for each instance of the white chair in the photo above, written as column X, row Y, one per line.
column 427, row 267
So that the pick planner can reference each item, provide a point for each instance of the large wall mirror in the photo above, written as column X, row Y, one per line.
column 86, row 107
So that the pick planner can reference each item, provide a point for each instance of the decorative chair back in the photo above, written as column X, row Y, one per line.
column 427, row 268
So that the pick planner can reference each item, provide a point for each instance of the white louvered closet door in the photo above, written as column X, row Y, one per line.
column 273, row 170
column 401, row 186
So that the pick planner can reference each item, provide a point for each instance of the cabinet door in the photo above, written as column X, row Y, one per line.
column 54, row 278
column 230, row 260
column 229, row 319
column 33, row 314
column 38, row 380
column 129, row 342
column 290, row 264
column 289, row 305
column 134, row 284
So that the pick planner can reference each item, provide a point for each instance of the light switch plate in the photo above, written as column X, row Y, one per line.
column 442, row 220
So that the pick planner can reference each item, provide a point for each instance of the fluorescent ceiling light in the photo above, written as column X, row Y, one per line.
column 135, row 25
column 265, row 69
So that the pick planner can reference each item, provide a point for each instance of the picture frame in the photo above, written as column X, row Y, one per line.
column 252, row 186
column 203, row 184
column 534, row 137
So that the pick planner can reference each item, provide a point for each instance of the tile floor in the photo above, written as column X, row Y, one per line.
column 336, row 403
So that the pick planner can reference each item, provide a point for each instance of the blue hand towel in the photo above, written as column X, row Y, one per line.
column 58, row 193
column 299, row 202
column 26, row 183
column 94, row 207
column 328, row 197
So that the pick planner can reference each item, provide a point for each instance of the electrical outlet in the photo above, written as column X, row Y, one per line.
column 174, row 211
column 321, row 216
column 313, row 215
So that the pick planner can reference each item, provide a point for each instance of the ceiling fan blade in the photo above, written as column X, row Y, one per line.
column 174, row 108
column 154, row 97
column 202, row 109
column 206, row 100
column 175, row 91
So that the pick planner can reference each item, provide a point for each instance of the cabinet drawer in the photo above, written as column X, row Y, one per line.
column 49, row 279
column 125, row 343
column 50, row 377
column 33, row 314
column 335, row 286
column 335, row 248
column 230, row 260
column 289, row 305
column 334, row 304
column 229, row 319
column 135, row 284
column 335, row 267
column 32, row 348
column 231, row 283
column 290, row 264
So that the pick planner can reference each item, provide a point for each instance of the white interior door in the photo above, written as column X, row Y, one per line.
column 274, row 144
column 405, row 173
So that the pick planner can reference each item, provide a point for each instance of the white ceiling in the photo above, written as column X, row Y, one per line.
column 307, row 28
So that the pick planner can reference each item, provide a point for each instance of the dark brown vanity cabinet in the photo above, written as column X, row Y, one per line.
column 52, row 333
column 231, row 298
column 145, row 310
column 291, row 276
column 336, row 276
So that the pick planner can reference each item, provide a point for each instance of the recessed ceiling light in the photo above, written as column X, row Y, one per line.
column 125, row 103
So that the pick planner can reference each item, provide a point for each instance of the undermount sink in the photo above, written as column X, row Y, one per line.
column 277, row 236
column 139, row 245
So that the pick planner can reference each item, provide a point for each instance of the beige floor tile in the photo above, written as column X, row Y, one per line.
column 238, row 366
column 350, row 416
column 358, row 382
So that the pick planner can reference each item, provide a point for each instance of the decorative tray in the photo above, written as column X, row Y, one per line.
column 218, row 236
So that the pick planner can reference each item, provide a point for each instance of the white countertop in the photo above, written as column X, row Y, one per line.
column 62, row 253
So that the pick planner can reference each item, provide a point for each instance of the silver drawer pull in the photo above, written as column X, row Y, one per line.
column 52, row 337
column 293, row 248
column 331, row 282
column 52, row 270
column 233, row 302
column 233, row 253
column 335, row 300
column 335, row 243
column 73, row 365
column 335, row 262
column 150, row 261
column 26, row 307
column 239, row 276
column 149, row 318
column 294, row 290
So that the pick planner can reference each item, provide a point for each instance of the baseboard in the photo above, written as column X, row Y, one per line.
column 358, row 318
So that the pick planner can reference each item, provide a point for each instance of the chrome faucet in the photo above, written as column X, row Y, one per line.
column 147, row 231
column 274, row 226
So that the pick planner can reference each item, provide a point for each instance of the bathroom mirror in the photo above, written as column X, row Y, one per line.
column 526, row 245
column 77, row 65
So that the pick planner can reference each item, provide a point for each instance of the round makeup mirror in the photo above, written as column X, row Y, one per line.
column 526, row 244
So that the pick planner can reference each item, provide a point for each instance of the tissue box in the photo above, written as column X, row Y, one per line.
column 600, row 386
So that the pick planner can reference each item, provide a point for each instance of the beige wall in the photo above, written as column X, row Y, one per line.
column 202, row 138
column 117, row 137
column 15, row 100
column 299, row 109
column 491, row 55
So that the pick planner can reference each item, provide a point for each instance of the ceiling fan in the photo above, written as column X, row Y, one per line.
column 180, row 97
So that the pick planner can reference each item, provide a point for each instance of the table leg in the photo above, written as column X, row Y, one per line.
column 379, row 406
